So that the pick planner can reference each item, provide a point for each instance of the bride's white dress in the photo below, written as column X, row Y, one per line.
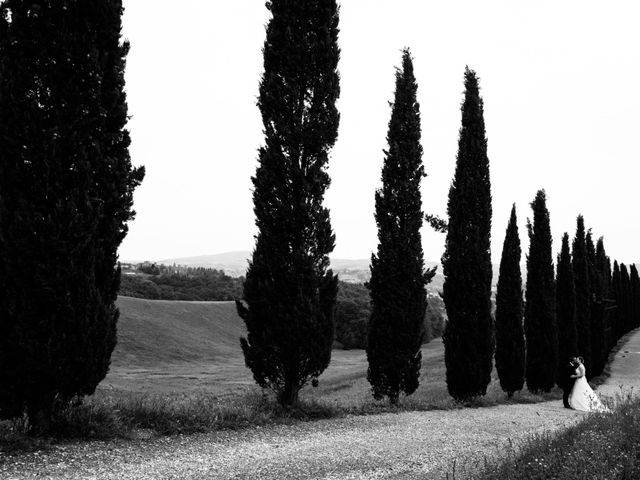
column 582, row 397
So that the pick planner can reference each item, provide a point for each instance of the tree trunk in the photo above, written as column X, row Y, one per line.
column 39, row 415
column 289, row 395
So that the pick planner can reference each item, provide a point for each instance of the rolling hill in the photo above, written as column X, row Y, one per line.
column 178, row 347
column 153, row 332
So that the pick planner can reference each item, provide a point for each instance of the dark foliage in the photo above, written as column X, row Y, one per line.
column 398, row 278
column 565, row 311
column 66, row 194
column 624, row 300
column 597, row 287
column 437, row 223
column 541, row 328
column 352, row 315
column 468, row 337
column 289, row 292
column 194, row 284
column 150, row 268
column 353, row 311
column 583, row 294
column 510, row 353
column 603, row 264
column 434, row 318
column 616, row 290
column 635, row 297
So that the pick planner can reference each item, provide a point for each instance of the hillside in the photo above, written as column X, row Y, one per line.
column 169, row 346
column 153, row 332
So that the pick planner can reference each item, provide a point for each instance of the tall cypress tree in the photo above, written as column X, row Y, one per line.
column 596, row 283
column 466, row 262
column 635, row 296
column 603, row 265
column 66, row 193
column 625, row 299
column 510, row 356
column 565, row 310
column 289, row 291
column 541, row 328
column 616, row 288
column 397, row 285
column 583, row 293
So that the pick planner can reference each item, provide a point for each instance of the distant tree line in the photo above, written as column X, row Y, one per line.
column 353, row 311
column 170, row 283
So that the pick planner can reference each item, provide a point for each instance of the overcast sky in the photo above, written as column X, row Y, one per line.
column 562, row 110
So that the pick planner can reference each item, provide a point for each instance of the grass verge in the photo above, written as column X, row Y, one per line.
column 131, row 415
column 602, row 446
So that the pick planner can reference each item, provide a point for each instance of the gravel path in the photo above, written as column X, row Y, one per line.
column 406, row 445
column 409, row 445
column 624, row 368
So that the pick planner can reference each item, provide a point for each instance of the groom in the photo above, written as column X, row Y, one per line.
column 565, row 381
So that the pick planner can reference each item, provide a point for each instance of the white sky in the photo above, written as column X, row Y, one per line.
column 562, row 109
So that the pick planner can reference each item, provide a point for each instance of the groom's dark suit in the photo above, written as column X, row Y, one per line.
column 566, row 382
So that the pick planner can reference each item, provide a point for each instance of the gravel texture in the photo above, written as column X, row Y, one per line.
column 405, row 445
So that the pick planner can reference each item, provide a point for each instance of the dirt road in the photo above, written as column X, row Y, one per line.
column 624, row 369
column 407, row 445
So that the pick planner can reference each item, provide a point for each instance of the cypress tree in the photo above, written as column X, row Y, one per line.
column 596, row 282
column 608, row 300
column 602, row 329
column 397, row 285
column 583, row 293
column 625, row 300
column 635, row 297
column 603, row 264
column 66, row 193
column 540, row 325
column 565, row 310
column 616, row 288
column 289, row 291
column 510, row 356
column 466, row 262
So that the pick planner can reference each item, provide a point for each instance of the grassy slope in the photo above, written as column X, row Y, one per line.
column 152, row 332
column 174, row 346
column 180, row 347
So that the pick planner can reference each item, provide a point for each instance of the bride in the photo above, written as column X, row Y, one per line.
column 582, row 397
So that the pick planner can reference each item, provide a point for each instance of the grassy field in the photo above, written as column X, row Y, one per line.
column 178, row 368
column 174, row 347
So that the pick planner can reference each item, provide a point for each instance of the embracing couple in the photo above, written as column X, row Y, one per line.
column 577, row 392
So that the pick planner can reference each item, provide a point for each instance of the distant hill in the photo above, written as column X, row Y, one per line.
column 152, row 332
column 235, row 264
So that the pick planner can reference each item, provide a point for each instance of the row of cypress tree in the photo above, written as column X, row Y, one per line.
column 290, row 292
column 582, row 310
